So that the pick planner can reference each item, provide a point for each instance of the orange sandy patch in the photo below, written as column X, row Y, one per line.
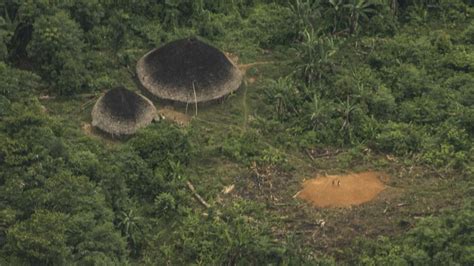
column 342, row 191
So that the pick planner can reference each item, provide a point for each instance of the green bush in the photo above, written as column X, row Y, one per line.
column 450, row 147
column 285, row 98
column 17, row 84
column 161, row 144
column 270, row 25
column 238, row 236
column 399, row 138
column 382, row 104
column 40, row 239
column 442, row 240
column 56, row 48
column 245, row 147
column 441, row 40
column 460, row 60
column 316, row 56
column 402, row 48
column 468, row 34
column 407, row 81
column 87, row 13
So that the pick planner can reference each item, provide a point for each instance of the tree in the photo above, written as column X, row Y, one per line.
column 56, row 48
column 358, row 10
column 40, row 239
column 160, row 144
column 129, row 224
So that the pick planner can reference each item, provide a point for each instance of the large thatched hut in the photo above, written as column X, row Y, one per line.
column 122, row 112
column 188, row 71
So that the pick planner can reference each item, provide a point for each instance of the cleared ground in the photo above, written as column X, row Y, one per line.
column 342, row 190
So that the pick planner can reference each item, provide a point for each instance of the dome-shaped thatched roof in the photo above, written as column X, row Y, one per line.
column 122, row 112
column 188, row 70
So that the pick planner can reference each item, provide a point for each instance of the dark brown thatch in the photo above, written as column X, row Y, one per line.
column 122, row 112
column 188, row 70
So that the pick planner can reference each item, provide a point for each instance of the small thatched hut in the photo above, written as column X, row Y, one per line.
column 122, row 112
column 188, row 71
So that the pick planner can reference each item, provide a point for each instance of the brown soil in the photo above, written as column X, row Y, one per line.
column 245, row 67
column 232, row 57
column 87, row 129
column 174, row 116
column 344, row 190
column 251, row 80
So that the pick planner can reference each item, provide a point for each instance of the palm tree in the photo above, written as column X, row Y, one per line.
column 358, row 10
column 317, row 53
column 129, row 226
column 336, row 6
column 307, row 13
column 345, row 109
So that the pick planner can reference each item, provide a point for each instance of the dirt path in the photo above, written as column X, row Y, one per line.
column 244, row 106
column 245, row 67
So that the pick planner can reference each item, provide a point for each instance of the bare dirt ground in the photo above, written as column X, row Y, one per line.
column 172, row 115
column 342, row 190
column 87, row 129
column 245, row 67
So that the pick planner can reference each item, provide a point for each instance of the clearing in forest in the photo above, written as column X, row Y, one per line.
column 342, row 190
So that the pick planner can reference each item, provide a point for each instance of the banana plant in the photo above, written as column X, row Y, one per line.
column 306, row 12
column 358, row 10
column 129, row 224
column 337, row 6
column 346, row 108
column 317, row 54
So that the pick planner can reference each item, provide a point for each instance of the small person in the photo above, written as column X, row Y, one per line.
column 338, row 183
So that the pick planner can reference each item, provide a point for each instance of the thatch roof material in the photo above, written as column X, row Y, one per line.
column 188, row 70
column 122, row 112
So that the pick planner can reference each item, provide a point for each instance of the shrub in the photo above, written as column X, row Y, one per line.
column 468, row 34
column 402, row 48
column 270, row 25
column 56, row 48
column 460, row 60
column 5, row 106
column 454, row 10
column 245, row 147
column 237, row 236
column 41, row 239
column 161, row 144
column 316, row 56
column 441, row 41
column 399, row 138
column 17, row 84
column 84, row 163
column 407, row 81
column 285, row 98
column 443, row 240
column 87, row 12
column 382, row 103
column 450, row 146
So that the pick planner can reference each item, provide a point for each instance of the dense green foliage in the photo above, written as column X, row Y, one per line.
column 443, row 240
column 393, row 77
